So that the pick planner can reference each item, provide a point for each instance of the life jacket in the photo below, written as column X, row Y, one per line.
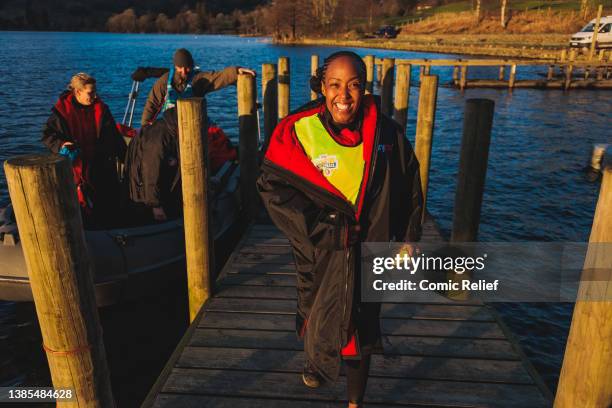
column 172, row 95
column 341, row 165
column 220, row 149
column 84, row 126
column 286, row 151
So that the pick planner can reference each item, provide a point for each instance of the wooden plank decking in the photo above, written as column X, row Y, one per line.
column 242, row 349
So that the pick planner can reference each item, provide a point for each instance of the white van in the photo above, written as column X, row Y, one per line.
column 584, row 37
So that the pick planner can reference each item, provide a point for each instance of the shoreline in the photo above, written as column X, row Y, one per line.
column 533, row 46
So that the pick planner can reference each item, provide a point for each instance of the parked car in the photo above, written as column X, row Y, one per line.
column 584, row 37
column 386, row 32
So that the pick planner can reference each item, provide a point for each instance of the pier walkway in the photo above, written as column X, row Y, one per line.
column 242, row 350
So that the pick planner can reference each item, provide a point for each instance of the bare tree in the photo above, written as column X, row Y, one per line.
column 125, row 22
column 583, row 8
column 146, row 23
column 323, row 11
column 478, row 8
column 504, row 5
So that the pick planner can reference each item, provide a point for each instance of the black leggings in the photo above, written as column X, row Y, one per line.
column 357, row 378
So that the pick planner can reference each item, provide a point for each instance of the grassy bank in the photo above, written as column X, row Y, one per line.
column 540, row 46
column 539, row 33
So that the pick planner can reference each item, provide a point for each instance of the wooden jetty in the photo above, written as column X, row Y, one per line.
column 559, row 73
column 241, row 349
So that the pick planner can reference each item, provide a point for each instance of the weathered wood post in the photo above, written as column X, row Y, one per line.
column 427, row 69
column 456, row 75
column 314, row 64
column 369, row 63
column 512, row 78
column 569, row 69
column 426, row 117
column 44, row 198
column 463, row 77
column 587, row 364
column 551, row 72
column 601, row 55
column 270, row 101
column 502, row 73
column 595, row 32
column 386, row 91
column 477, row 125
column 402, row 95
column 563, row 55
column 283, row 87
column 194, row 180
column 247, row 119
column 378, row 73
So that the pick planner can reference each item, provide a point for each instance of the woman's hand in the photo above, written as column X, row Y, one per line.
column 409, row 250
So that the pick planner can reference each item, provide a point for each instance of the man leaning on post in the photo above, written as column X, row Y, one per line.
column 184, row 81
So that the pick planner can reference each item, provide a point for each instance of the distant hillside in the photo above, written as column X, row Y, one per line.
column 92, row 15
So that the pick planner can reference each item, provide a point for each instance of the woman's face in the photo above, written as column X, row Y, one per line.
column 87, row 95
column 343, row 90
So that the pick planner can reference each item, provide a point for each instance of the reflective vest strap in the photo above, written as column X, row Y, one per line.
column 341, row 165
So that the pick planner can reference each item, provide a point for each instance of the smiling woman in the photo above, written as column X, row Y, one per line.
column 341, row 80
column 337, row 173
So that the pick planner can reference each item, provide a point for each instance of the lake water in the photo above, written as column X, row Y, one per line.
column 535, row 190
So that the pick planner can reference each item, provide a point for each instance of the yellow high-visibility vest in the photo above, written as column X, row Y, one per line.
column 341, row 165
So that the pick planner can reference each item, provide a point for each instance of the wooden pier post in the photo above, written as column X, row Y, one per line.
column 386, row 92
column 270, row 101
column 587, row 364
column 601, row 55
column 568, row 76
column 563, row 55
column 48, row 214
column 314, row 64
column 378, row 73
column 502, row 74
column 456, row 75
column 426, row 117
column 369, row 63
column 477, row 125
column 247, row 119
column 595, row 32
column 402, row 95
column 194, row 180
column 283, row 87
column 512, row 78
column 463, row 77
column 551, row 72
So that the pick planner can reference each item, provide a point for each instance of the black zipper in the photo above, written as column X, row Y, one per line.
column 343, row 326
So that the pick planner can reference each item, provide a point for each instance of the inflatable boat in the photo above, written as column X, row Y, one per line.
column 128, row 262
column 138, row 261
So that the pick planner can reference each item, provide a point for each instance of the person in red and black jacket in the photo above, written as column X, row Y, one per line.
column 82, row 128
column 338, row 172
